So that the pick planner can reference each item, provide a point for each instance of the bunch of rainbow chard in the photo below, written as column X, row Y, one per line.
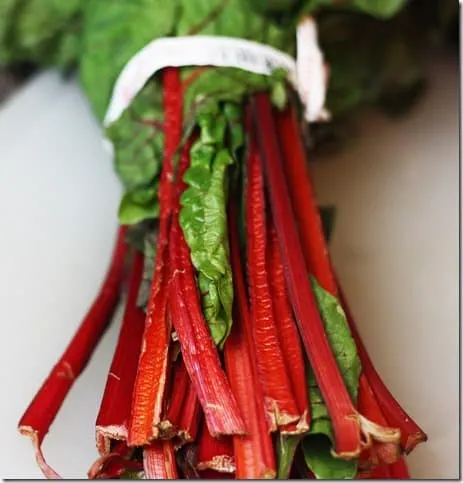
column 237, row 355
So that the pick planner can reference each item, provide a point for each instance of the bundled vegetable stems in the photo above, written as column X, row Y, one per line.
column 246, row 361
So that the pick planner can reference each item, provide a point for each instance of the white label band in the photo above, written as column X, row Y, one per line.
column 195, row 50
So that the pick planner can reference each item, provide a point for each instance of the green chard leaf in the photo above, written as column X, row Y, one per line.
column 132, row 211
column 143, row 238
column 318, row 443
column 286, row 447
column 203, row 217
column 115, row 31
column 231, row 18
column 46, row 32
column 138, row 142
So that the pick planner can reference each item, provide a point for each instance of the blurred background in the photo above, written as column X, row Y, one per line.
column 388, row 165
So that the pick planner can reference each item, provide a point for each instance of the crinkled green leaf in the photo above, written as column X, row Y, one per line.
column 150, row 245
column 231, row 18
column 7, row 20
column 114, row 31
column 46, row 32
column 317, row 455
column 318, row 443
column 137, row 140
column 286, row 447
column 340, row 337
column 132, row 211
column 203, row 217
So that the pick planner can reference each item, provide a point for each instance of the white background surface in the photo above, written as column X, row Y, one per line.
column 395, row 247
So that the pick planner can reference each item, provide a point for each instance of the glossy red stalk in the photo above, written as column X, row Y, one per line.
column 254, row 455
column 376, row 454
column 198, row 349
column 113, row 417
column 148, row 396
column 281, row 406
column 176, row 389
column 40, row 414
column 317, row 257
column 191, row 416
column 159, row 461
column 288, row 334
column 215, row 453
column 114, row 462
column 399, row 470
column 183, row 411
column 344, row 417
column 304, row 200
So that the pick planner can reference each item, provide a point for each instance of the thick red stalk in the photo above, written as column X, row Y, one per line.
column 40, row 414
column 176, row 389
column 399, row 470
column 183, row 411
column 115, row 468
column 147, row 403
column 281, row 405
column 386, row 453
column 304, row 200
column 113, row 418
column 199, row 352
column 344, row 417
column 288, row 334
column 215, row 453
column 254, row 455
column 159, row 461
column 317, row 257
column 191, row 416
column 114, row 462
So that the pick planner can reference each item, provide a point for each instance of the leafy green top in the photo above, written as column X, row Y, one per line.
column 317, row 445
column 203, row 214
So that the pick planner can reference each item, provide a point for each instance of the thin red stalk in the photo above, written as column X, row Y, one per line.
column 288, row 334
column 254, row 456
column 112, row 420
column 117, row 467
column 344, row 417
column 115, row 461
column 399, row 470
column 303, row 201
column 281, row 405
column 147, row 403
column 411, row 433
column 191, row 416
column 40, row 414
column 386, row 453
column 215, row 453
column 177, row 389
column 159, row 461
column 199, row 352
column 184, row 411
column 317, row 257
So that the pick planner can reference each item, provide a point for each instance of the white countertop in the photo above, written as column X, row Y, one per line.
column 395, row 246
